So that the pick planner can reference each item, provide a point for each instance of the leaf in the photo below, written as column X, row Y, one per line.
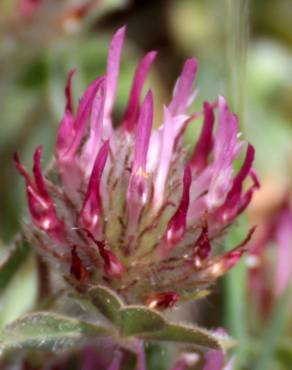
column 47, row 331
column 188, row 334
column 139, row 319
column 107, row 302
column 12, row 260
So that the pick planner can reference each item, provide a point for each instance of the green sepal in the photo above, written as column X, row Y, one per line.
column 136, row 320
column 107, row 302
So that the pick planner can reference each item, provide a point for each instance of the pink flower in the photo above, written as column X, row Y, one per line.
column 126, row 206
column 271, row 272
column 27, row 8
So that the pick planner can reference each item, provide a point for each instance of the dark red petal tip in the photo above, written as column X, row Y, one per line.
column 162, row 300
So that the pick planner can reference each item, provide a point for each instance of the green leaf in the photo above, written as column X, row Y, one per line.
column 47, row 331
column 107, row 302
column 188, row 334
column 11, row 261
column 139, row 319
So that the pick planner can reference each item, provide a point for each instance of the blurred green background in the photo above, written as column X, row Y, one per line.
column 244, row 51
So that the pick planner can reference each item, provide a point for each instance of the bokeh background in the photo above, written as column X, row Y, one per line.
column 244, row 51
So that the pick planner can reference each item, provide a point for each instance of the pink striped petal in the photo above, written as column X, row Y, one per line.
column 92, row 145
column 41, row 205
column 112, row 75
column 170, row 130
column 183, row 89
column 68, row 91
column 138, row 183
column 232, row 204
column 132, row 111
column 225, row 150
column 82, row 117
column 162, row 300
column 113, row 267
column 202, row 247
column 92, row 205
column 204, row 145
column 143, row 133
column 177, row 224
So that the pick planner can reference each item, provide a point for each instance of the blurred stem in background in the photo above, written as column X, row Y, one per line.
column 237, row 27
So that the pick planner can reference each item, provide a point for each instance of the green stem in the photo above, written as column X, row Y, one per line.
column 237, row 42
column 235, row 299
column 270, row 337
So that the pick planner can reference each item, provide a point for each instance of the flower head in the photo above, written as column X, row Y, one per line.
column 127, row 206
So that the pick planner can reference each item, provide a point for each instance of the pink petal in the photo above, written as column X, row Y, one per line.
column 92, row 145
column 77, row 269
column 41, row 206
column 138, row 183
column 183, row 89
column 214, row 360
column 92, row 205
column 82, row 117
column 186, row 361
column 284, row 258
column 177, row 225
column 169, row 132
column 112, row 74
column 143, row 133
column 113, row 267
column 204, row 145
column 232, row 205
column 220, row 265
column 247, row 197
column 202, row 247
column 162, row 300
column 28, row 8
column 68, row 92
column 132, row 111
column 225, row 150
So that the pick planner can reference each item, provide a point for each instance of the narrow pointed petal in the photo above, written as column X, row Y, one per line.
column 225, row 150
column 138, row 184
column 92, row 206
column 183, row 89
column 82, row 117
column 95, row 138
column 132, row 111
column 41, row 205
column 232, row 205
column 218, row 266
column 202, row 247
column 68, row 91
column 38, row 176
column 171, row 129
column 204, row 145
column 112, row 75
column 143, row 133
column 65, row 134
column 113, row 267
column 247, row 197
column 162, row 300
column 177, row 225
column 77, row 270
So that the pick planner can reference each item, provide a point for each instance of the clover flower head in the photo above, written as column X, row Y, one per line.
column 125, row 204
